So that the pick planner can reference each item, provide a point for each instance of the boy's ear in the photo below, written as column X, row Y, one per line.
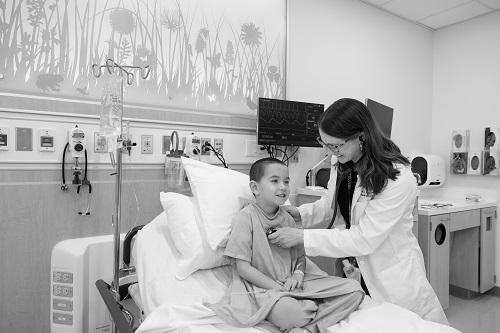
column 254, row 187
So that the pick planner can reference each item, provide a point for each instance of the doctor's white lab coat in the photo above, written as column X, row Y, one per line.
column 382, row 241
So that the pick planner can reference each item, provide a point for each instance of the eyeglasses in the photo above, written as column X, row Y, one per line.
column 332, row 147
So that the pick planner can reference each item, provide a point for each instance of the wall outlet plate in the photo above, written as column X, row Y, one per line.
column 100, row 143
column 5, row 138
column 253, row 149
column 46, row 140
column 24, row 139
column 218, row 145
column 146, row 144
column 203, row 151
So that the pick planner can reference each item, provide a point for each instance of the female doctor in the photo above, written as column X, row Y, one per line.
column 372, row 185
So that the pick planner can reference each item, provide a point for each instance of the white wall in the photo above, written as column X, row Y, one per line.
column 345, row 48
column 435, row 81
column 465, row 96
column 466, row 89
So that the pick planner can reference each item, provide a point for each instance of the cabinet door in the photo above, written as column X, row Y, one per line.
column 464, row 249
column 487, row 249
column 439, row 261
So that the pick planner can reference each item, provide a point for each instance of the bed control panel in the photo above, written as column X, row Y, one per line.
column 75, row 303
column 62, row 297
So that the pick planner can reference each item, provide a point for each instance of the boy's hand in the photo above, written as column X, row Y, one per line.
column 293, row 282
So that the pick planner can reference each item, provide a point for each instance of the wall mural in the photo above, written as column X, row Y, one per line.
column 216, row 55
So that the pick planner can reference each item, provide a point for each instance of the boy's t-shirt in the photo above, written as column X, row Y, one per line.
column 245, row 304
column 248, row 241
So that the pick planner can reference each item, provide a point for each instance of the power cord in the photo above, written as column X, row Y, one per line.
column 291, row 156
column 208, row 147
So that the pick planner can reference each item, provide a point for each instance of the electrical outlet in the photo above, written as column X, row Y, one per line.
column 253, row 149
column 147, row 144
column 100, row 143
column 218, row 145
column 207, row 151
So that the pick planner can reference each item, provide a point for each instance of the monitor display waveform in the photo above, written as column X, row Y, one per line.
column 288, row 123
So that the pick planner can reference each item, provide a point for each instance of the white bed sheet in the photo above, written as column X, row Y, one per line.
column 171, row 305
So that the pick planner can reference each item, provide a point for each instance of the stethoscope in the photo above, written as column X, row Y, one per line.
column 85, row 182
column 340, row 176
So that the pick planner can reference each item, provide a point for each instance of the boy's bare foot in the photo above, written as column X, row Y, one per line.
column 298, row 330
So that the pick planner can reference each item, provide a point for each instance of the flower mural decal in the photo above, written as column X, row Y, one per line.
column 250, row 35
column 199, row 57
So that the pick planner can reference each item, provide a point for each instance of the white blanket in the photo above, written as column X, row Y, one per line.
column 175, row 306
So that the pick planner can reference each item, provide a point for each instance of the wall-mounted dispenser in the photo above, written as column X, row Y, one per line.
column 429, row 170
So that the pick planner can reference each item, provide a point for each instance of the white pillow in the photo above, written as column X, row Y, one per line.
column 218, row 192
column 188, row 235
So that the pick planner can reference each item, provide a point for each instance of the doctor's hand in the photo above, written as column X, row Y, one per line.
column 287, row 237
column 294, row 212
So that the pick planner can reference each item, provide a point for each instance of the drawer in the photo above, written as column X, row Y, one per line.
column 465, row 219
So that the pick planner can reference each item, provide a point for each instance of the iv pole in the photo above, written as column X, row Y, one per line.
column 116, row 219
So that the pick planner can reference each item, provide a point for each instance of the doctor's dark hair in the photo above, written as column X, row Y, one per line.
column 348, row 117
column 258, row 169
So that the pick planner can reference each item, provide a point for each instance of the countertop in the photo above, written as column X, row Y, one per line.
column 441, row 204
column 445, row 207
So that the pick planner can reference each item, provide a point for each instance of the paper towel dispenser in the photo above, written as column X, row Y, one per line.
column 429, row 170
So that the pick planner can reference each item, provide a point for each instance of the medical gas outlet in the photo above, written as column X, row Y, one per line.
column 193, row 146
column 77, row 143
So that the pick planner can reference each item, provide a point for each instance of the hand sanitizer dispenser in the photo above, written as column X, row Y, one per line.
column 430, row 170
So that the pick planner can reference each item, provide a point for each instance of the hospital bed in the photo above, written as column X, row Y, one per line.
column 179, row 263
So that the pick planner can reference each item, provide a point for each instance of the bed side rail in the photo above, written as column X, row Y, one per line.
column 127, row 244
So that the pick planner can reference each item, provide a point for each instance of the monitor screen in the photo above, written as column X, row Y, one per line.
column 382, row 114
column 288, row 123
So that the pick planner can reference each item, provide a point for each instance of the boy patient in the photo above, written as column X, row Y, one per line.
column 270, row 287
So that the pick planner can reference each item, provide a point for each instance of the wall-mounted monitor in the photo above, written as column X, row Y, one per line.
column 382, row 114
column 288, row 123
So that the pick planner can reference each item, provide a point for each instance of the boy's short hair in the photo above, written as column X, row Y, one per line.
column 258, row 169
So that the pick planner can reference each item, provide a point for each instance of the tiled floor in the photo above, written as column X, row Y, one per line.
column 478, row 315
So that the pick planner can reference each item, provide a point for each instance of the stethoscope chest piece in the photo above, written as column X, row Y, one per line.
column 270, row 231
